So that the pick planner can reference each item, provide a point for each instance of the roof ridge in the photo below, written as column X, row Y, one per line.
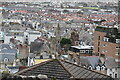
column 65, row 67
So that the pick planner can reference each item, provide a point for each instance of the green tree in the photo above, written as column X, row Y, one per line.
column 5, row 74
column 65, row 43
column 53, row 78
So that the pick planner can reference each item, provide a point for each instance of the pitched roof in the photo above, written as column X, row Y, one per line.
column 5, row 48
column 61, row 70
column 90, row 60
column 36, row 46
column 2, row 46
column 52, row 68
column 110, row 62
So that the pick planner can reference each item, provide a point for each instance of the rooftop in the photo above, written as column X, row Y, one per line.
column 61, row 70
column 83, row 47
column 111, row 33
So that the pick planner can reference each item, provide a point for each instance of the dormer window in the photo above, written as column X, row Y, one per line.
column 98, row 67
column 6, row 60
column 103, row 67
column 90, row 67
column 106, row 39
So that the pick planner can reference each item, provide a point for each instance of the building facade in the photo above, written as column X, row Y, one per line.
column 24, row 37
column 107, row 42
column 7, row 56
column 107, row 45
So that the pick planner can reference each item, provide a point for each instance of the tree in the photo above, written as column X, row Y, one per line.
column 65, row 43
column 65, row 11
column 5, row 74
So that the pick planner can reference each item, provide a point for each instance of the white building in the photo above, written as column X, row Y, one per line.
column 18, row 35
column 23, row 37
column 113, row 68
column 30, row 36
column 113, row 72
column 7, row 55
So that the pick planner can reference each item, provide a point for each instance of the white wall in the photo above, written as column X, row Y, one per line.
column 32, row 37
column 7, row 39
column 31, row 61
column 21, row 38
column 113, row 71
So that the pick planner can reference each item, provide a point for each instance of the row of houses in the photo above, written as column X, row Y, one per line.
column 23, row 36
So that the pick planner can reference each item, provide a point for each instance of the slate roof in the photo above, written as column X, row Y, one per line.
column 90, row 60
column 5, row 48
column 7, row 52
column 8, row 56
column 2, row 46
column 36, row 46
column 110, row 62
column 61, row 70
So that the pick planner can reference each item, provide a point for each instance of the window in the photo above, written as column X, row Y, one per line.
column 104, row 45
column 82, row 51
column 117, row 40
column 103, row 51
column 99, row 38
column 103, row 68
column 106, row 39
column 110, row 69
column 98, row 67
column 90, row 67
column 102, row 55
column 117, row 60
column 115, row 75
column 110, row 74
column 87, row 51
column 98, row 49
column 17, row 33
column 6, row 60
column 118, row 47
column 98, row 43
column 117, row 53
column 14, row 33
column 41, row 56
column 14, row 36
